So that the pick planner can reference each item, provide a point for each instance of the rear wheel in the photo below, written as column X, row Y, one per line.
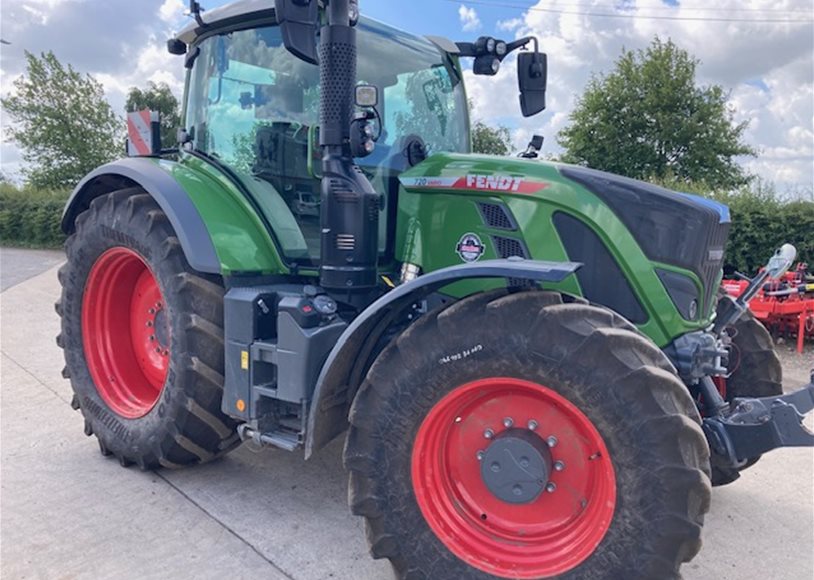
column 517, row 436
column 755, row 372
column 143, row 337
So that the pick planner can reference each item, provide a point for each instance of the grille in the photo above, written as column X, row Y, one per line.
column 509, row 248
column 345, row 242
column 711, row 269
column 496, row 216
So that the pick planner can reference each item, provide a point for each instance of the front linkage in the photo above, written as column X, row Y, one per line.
column 744, row 427
column 748, row 427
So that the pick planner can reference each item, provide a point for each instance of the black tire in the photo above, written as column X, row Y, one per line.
column 757, row 373
column 591, row 356
column 185, row 426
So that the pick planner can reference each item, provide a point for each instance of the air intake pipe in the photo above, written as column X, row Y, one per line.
column 349, row 213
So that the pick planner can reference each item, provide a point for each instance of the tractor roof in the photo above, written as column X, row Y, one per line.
column 239, row 12
column 231, row 14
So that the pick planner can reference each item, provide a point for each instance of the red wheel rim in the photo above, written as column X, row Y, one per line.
column 125, row 332
column 548, row 536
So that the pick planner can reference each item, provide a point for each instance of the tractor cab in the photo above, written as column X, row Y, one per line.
column 254, row 107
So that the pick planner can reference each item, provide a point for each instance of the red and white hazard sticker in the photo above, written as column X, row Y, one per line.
column 140, row 132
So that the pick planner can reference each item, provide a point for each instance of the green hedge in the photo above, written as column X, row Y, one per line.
column 760, row 228
column 760, row 223
column 30, row 217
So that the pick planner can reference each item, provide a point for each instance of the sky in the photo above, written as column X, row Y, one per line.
column 761, row 51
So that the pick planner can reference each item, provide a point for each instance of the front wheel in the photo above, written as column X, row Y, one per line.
column 143, row 337
column 523, row 436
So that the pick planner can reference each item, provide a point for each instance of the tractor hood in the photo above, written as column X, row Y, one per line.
column 675, row 229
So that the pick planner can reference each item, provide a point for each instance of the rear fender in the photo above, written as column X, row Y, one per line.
column 349, row 360
column 219, row 231
column 168, row 194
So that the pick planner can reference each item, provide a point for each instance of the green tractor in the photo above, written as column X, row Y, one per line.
column 536, row 373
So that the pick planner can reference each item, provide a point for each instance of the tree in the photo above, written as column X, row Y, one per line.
column 157, row 97
column 491, row 140
column 62, row 123
column 649, row 119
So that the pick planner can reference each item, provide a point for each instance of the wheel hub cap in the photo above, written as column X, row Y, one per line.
column 513, row 478
column 516, row 466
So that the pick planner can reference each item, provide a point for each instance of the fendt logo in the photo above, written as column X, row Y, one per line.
column 476, row 182
column 497, row 182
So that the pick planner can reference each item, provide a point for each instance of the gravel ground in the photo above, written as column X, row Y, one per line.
column 797, row 367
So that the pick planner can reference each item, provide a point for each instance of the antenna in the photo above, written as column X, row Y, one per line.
column 195, row 11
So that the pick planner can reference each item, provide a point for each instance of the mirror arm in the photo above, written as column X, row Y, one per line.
column 466, row 49
column 470, row 49
column 522, row 42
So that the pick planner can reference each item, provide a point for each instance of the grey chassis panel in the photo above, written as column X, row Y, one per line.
column 168, row 193
column 328, row 416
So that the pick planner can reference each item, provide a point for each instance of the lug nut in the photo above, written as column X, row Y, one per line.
column 151, row 311
column 559, row 465
column 508, row 422
column 552, row 441
column 158, row 305
column 533, row 425
column 551, row 487
column 479, row 455
column 152, row 337
column 488, row 433
column 149, row 323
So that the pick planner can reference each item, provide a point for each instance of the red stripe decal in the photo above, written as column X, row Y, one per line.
column 506, row 183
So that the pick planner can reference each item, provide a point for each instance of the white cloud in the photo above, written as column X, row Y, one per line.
column 171, row 10
column 769, row 67
column 510, row 24
column 122, row 44
column 469, row 18
column 151, row 63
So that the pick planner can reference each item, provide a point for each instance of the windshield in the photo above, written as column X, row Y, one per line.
column 255, row 107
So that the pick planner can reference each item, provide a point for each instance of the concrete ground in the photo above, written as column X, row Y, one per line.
column 19, row 264
column 68, row 512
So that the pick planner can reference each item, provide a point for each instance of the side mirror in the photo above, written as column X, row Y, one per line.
column 532, row 74
column 176, row 47
column 298, row 21
column 782, row 260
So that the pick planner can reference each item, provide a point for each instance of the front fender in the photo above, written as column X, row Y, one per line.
column 348, row 362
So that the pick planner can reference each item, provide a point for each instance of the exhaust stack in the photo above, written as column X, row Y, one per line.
column 349, row 213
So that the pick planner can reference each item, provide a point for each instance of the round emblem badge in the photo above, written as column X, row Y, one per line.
column 470, row 248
